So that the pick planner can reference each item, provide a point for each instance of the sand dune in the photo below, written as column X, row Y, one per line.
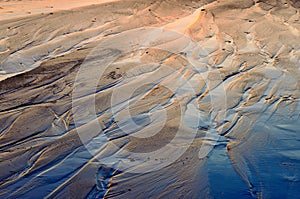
column 200, row 100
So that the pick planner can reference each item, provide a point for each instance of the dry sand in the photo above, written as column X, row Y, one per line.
column 251, row 52
column 10, row 9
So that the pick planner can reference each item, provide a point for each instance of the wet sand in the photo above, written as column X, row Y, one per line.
column 224, row 75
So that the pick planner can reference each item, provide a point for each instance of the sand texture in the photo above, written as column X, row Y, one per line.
column 219, row 81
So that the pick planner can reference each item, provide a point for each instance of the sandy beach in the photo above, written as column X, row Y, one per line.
column 149, row 99
column 12, row 9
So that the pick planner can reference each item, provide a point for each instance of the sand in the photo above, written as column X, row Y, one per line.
column 202, row 103
column 11, row 9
